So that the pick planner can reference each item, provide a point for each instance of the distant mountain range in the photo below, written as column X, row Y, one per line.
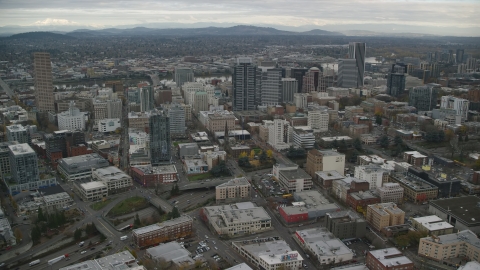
column 239, row 30
column 226, row 30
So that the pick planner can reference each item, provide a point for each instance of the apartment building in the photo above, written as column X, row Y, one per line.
column 433, row 225
column 218, row 122
column 391, row 192
column 138, row 120
column 236, row 219
column 362, row 199
column 388, row 259
column 114, row 178
column 415, row 189
column 318, row 120
column 464, row 244
column 341, row 187
column 238, row 189
column 150, row 176
column 384, row 214
column 163, row 232
column 346, row 224
column 415, row 158
column 373, row 174
column 18, row 133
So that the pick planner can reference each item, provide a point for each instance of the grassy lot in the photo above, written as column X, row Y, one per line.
column 429, row 145
column 99, row 205
column 128, row 206
column 199, row 177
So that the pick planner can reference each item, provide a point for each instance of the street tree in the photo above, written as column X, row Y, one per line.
column 357, row 144
column 269, row 154
column 398, row 140
column 384, row 142
column 263, row 157
column 77, row 235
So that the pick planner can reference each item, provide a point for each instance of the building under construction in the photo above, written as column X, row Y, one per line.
column 163, row 232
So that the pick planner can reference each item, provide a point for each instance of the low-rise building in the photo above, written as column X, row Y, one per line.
column 327, row 249
column 149, row 176
column 295, row 180
column 163, row 232
column 236, row 219
column 340, row 188
column 308, row 205
column 238, row 189
column 326, row 178
column 395, row 230
column 80, row 167
column 195, row 166
column 329, row 142
column 415, row 158
column 432, row 225
column 464, row 244
column 415, row 189
column 461, row 212
column 371, row 173
column 388, row 259
column 7, row 238
column 390, row 192
column 172, row 253
column 109, row 125
column 92, row 191
column 384, row 214
column 122, row 260
column 244, row 266
column 322, row 160
column 114, row 178
column 361, row 199
column 346, row 224
column 269, row 253
column 303, row 137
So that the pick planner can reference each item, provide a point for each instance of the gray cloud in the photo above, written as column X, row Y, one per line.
column 272, row 12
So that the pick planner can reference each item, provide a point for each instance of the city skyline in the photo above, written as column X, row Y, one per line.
column 429, row 17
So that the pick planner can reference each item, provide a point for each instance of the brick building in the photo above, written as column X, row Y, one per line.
column 148, row 176
column 163, row 232
column 388, row 259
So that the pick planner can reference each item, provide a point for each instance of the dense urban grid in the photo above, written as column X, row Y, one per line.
column 251, row 149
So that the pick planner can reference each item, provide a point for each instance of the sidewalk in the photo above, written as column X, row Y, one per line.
column 9, row 255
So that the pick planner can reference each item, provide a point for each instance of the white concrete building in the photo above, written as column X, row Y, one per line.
column 459, row 105
column 106, row 105
column 269, row 253
column 373, row 174
column 109, row 125
column 92, row 191
column 138, row 137
column 237, row 219
column 72, row 119
column 324, row 245
column 189, row 90
column 318, row 120
column 276, row 134
column 303, row 137
column 295, row 180
column 114, row 178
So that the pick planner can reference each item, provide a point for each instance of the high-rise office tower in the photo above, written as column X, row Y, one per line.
column 357, row 51
column 424, row 98
column 347, row 73
column 44, row 99
column 311, row 80
column 459, row 56
column 176, row 113
column 396, row 80
column 272, row 87
column 297, row 74
column 289, row 88
column 183, row 75
column 160, row 140
column 24, row 164
column 147, row 101
column 201, row 102
column 244, row 84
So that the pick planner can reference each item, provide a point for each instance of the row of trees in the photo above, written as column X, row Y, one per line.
column 263, row 157
column 52, row 220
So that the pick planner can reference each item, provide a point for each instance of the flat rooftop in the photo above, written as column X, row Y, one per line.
column 119, row 261
column 171, row 252
column 323, row 242
column 93, row 185
column 163, row 169
column 390, row 257
column 83, row 163
column 381, row 208
column 242, row 266
column 236, row 213
column 461, row 236
column 111, row 173
column 241, row 181
column 271, row 252
column 159, row 226
column 465, row 208
column 363, row 195
column 329, row 175
column 295, row 174
column 338, row 138
column 21, row 149
column 413, row 182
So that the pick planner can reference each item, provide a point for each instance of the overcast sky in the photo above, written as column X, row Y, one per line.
column 98, row 13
